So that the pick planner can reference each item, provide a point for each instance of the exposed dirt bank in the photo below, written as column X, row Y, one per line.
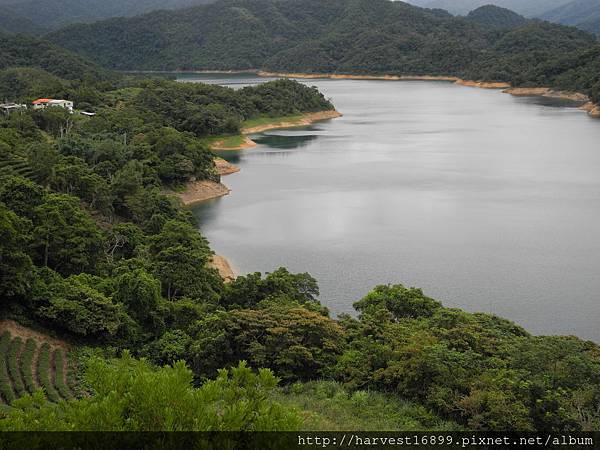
column 548, row 93
column 335, row 76
column 200, row 191
column 592, row 109
column 225, row 167
column 223, row 267
column 221, row 145
column 483, row 84
column 25, row 333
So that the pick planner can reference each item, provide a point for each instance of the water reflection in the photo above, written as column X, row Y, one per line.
column 488, row 202
column 284, row 141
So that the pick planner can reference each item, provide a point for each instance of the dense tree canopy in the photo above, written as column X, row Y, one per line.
column 342, row 36
column 95, row 252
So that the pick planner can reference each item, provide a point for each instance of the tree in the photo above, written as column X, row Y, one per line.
column 296, row 343
column 64, row 237
column 399, row 301
column 131, row 395
column 16, row 269
column 21, row 195
column 180, row 255
column 248, row 291
column 139, row 292
column 74, row 306
column 74, row 177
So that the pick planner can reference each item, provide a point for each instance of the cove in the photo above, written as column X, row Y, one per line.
column 488, row 202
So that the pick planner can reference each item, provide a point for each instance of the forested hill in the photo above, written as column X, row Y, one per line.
column 345, row 36
column 337, row 35
column 48, row 14
column 494, row 16
column 584, row 14
column 528, row 8
column 13, row 23
column 24, row 51
column 95, row 254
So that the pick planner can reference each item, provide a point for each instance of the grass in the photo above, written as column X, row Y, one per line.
column 225, row 141
column 327, row 406
column 27, row 365
column 263, row 120
column 13, row 366
column 44, row 374
column 59, row 378
column 5, row 387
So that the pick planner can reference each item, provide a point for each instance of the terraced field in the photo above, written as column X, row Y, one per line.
column 30, row 361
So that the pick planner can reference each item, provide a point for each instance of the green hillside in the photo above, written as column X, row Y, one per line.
column 11, row 22
column 95, row 250
column 25, row 51
column 344, row 36
column 48, row 14
column 584, row 14
column 338, row 35
column 494, row 16
column 32, row 364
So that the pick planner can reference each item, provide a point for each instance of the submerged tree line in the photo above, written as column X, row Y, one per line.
column 94, row 252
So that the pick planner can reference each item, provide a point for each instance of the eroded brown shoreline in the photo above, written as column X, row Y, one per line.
column 221, row 264
column 304, row 120
column 587, row 105
column 201, row 191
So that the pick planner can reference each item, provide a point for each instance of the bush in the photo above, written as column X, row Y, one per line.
column 44, row 374
column 27, row 365
column 59, row 377
column 5, row 388
column 13, row 366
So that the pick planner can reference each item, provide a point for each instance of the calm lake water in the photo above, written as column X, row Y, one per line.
column 488, row 202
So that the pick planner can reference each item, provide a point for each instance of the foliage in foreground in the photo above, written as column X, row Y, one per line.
column 328, row 406
column 131, row 395
column 92, row 249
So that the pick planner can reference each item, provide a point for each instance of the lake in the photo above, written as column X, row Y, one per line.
column 488, row 202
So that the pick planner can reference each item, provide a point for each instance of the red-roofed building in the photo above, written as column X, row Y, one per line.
column 42, row 103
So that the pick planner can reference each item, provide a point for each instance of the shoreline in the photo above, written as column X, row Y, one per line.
column 203, row 190
column 588, row 106
column 335, row 76
column 220, row 145
column 225, row 167
column 221, row 264
column 206, row 71
column 200, row 191
column 304, row 120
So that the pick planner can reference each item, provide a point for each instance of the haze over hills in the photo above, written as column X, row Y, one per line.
column 29, row 52
column 494, row 16
column 54, row 13
column 584, row 14
column 529, row 8
column 11, row 22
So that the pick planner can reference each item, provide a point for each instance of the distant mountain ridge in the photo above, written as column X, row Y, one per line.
column 11, row 22
column 340, row 36
column 528, row 8
column 337, row 35
column 495, row 16
column 584, row 14
column 55, row 13
column 24, row 51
